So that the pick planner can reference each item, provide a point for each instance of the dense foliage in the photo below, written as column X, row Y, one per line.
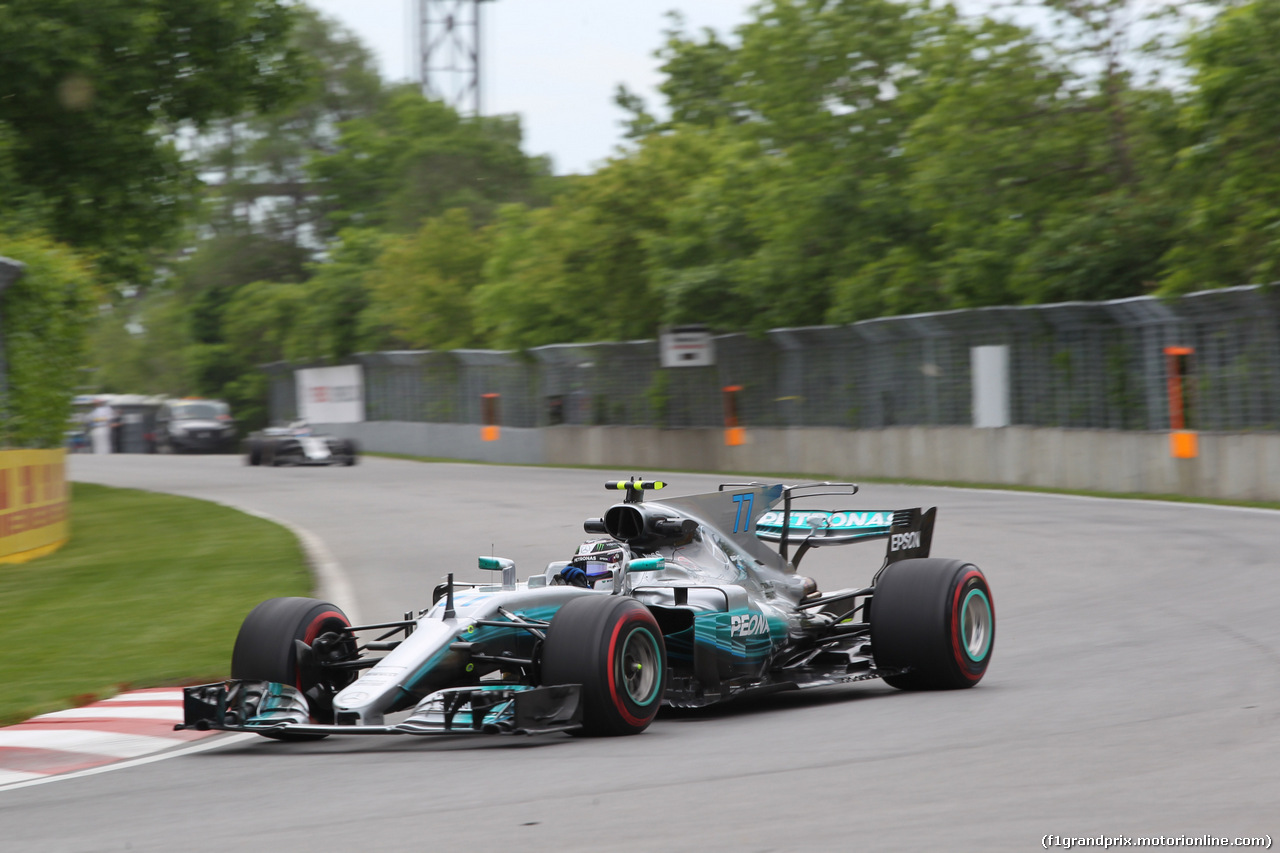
column 93, row 187
column 45, row 313
column 89, row 87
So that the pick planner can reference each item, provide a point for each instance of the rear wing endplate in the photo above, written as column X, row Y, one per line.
column 911, row 535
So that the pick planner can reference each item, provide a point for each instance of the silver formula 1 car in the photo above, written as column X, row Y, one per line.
column 296, row 444
column 680, row 602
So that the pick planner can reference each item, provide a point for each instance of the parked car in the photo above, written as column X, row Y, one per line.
column 194, row 425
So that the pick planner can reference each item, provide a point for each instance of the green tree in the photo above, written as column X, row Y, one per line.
column 1108, row 243
column 256, row 164
column 581, row 268
column 701, row 255
column 226, row 262
column 699, row 84
column 413, row 159
column 338, row 294
column 421, row 285
column 258, row 224
column 88, row 87
column 520, row 301
column 44, row 315
column 880, row 158
column 207, row 284
column 1228, row 230
column 260, row 319
column 146, row 339
column 21, row 208
column 804, row 191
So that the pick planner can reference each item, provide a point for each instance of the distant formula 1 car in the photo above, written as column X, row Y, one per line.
column 682, row 604
column 296, row 445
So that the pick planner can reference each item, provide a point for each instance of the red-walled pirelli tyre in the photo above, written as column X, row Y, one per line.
column 937, row 617
column 611, row 646
column 265, row 650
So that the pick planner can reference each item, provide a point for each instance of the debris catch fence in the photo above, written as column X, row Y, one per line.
column 1090, row 365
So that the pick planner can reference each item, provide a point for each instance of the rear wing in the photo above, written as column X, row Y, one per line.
column 909, row 531
column 834, row 527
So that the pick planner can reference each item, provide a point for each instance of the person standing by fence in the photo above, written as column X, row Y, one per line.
column 101, row 420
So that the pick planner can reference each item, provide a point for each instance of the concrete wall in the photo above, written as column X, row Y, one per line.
column 1240, row 466
column 448, row 441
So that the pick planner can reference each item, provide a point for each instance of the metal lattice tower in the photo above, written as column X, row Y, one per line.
column 449, row 52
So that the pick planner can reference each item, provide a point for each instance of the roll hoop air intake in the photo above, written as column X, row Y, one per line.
column 635, row 524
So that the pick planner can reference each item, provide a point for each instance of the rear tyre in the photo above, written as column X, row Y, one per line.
column 936, row 617
column 351, row 452
column 253, row 456
column 612, row 647
column 265, row 651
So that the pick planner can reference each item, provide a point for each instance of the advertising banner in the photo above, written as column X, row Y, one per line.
column 331, row 395
column 33, row 503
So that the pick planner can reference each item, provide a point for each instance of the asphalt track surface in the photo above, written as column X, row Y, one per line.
column 1134, row 691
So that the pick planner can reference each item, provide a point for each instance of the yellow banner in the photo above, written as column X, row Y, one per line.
column 33, row 503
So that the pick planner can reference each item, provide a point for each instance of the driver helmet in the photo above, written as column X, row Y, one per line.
column 598, row 558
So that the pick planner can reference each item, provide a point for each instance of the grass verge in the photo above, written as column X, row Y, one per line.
column 149, row 592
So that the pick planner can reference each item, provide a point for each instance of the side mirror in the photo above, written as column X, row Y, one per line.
column 507, row 567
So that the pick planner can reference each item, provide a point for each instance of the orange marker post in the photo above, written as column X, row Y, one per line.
column 489, row 417
column 734, row 434
column 1183, row 443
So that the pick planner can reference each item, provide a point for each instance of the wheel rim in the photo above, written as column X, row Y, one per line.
column 640, row 667
column 975, row 625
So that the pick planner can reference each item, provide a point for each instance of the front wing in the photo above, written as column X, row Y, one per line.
column 273, row 709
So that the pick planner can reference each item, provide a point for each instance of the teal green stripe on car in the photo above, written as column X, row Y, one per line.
column 483, row 633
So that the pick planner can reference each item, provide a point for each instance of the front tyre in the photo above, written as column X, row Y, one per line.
column 612, row 647
column 936, row 617
column 265, row 651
